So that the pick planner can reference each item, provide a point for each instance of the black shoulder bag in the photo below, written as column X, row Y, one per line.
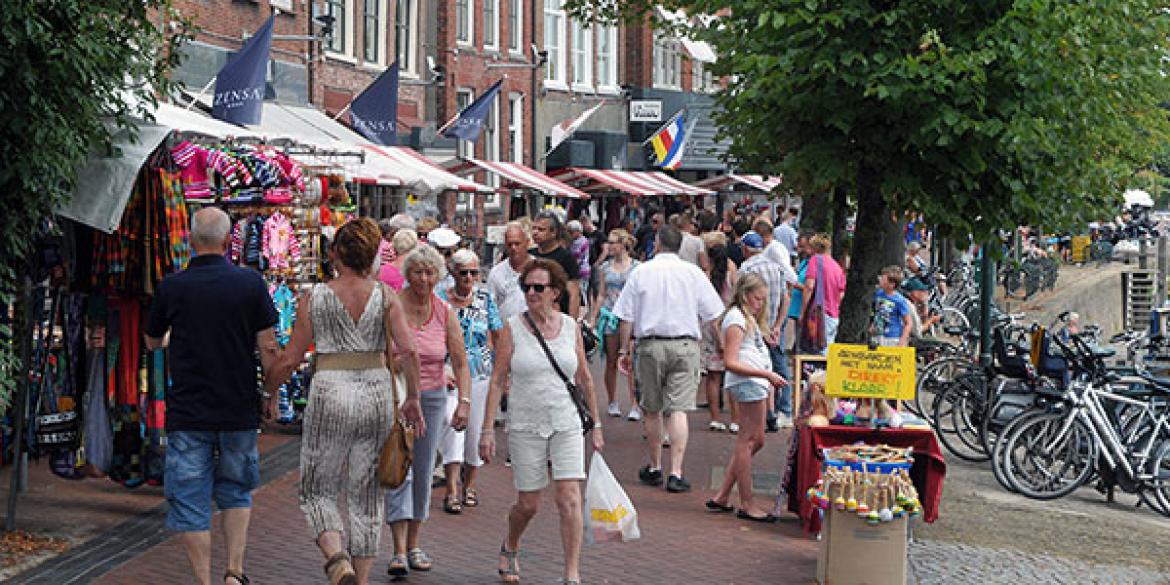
column 587, row 421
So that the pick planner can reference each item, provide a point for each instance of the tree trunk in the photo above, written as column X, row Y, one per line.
column 877, row 242
column 840, row 231
column 815, row 212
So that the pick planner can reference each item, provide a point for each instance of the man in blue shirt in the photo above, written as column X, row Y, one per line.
column 892, row 319
column 213, row 316
column 785, row 233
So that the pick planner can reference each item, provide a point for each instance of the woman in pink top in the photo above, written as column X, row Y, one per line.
column 404, row 241
column 437, row 336
column 832, row 278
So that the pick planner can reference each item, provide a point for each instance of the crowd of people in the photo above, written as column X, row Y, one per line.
column 683, row 307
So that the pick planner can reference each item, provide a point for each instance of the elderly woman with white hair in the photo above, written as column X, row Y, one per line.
column 437, row 336
column 479, row 317
column 579, row 246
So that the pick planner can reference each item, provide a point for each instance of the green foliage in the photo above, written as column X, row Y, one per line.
column 70, row 67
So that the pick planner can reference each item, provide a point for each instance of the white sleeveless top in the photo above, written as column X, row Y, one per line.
column 538, row 401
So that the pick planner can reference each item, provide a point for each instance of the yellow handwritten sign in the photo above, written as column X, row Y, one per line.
column 857, row 371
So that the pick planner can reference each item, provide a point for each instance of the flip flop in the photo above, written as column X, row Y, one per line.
column 713, row 506
column 767, row 519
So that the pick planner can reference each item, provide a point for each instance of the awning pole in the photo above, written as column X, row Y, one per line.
column 201, row 92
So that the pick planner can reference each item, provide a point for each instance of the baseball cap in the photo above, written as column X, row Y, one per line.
column 753, row 240
column 914, row 284
column 443, row 238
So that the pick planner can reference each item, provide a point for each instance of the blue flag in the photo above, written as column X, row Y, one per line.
column 470, row 122
column 374, row 112
column 239, row 86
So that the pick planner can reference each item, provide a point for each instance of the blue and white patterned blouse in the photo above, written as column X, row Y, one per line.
column 478, row 320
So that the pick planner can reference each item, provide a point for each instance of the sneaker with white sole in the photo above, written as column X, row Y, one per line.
column 733, row 428
column 717, row 426
column 783, row 421
column 615, row 409
column 635, row 414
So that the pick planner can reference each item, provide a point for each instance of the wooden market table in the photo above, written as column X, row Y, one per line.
column 927, row 472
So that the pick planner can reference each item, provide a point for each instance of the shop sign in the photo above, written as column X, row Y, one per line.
column 860, row 372
column 646, row 111
column 285, row 5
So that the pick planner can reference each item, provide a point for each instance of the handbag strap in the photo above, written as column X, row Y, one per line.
column 544, row 346
column 819, row 294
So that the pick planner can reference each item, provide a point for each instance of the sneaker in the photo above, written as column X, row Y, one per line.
column 771, row 426
column 733, row 428
column 635, row 414
column 677, row 485
column 717, row 426
column 650, row 476
column 615, row 409
column 783, row 421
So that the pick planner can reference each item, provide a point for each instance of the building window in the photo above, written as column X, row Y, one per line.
column 463, row 98
column 554, row 41
column 491, row 145
column 515, row 25
column 373, row 49
column 702, row 79
column 338, row 41
column 491, row 24
column 463, row 26
column 404, row 17
column 582, row 55
column 667, row 63
column 607, row 40
column 516, row 127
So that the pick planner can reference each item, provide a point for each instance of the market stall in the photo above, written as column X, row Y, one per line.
column 736, row 190
column 621, row 194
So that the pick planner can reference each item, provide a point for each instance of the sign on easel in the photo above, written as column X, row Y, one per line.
column 860, row 372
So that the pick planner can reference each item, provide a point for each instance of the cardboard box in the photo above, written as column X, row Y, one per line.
column 855, row 553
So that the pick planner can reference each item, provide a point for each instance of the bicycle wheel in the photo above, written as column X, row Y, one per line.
column 1159, row 487
column 999, row 448
column 932, row 378
column 956, row 413
column 1049, row 456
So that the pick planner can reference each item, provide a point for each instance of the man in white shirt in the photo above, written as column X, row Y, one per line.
column 662, row 305
column 773, row 250
column 785, row 233
column 503, row 282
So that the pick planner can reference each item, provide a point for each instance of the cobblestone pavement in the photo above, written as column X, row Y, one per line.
column 941, row 563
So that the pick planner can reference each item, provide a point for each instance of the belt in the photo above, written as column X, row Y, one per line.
column 354, row 360
column 666, row 338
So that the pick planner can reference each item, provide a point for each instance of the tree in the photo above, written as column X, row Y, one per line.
column 981, row 115
column 74, row 71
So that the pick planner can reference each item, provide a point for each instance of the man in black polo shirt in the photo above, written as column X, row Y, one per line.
column 547, row 234
column 213, row 316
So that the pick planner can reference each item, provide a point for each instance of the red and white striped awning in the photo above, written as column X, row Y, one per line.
column 639, row 183
column 513, row 175
column 418, row 172
column 758, row 182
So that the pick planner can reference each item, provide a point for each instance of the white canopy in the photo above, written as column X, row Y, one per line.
column 1138, row 197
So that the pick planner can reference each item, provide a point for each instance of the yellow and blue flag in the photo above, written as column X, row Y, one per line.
column 669, row 142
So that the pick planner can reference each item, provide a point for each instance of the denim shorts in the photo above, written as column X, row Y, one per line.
column 748, row 391
column 207, row 465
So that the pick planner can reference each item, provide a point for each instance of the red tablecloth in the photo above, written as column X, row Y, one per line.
column 927, row 472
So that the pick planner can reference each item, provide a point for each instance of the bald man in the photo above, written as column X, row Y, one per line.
column 213, row 316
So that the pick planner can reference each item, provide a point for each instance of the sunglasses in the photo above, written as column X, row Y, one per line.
column 470, row 272
column 538, row 287
column 447, row 251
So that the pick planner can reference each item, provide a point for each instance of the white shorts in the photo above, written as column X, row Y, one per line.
column 463, row 446
column 531, row 454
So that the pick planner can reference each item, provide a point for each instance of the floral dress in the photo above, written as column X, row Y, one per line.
column 478, row 319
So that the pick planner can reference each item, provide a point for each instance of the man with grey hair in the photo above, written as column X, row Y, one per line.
column 503, row 281
column 547, row 235
column 579, row 248
column 213, row 316
column 662, row 306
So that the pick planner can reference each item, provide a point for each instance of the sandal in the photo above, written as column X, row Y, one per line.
column 418, row 560
column 713, row 506
column 512, row 573
column 470, row 498
column 240, row 577
column 398, row 567
column 339, row 569
column 452, row 505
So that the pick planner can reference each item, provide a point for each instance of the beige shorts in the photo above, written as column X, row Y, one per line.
column 531, row 454
column 668, row 374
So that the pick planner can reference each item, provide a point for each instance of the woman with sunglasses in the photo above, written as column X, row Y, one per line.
column 480, row 320
column 613, row 274
column 544, row 428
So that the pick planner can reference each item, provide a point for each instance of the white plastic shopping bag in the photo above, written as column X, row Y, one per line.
column 609, row 513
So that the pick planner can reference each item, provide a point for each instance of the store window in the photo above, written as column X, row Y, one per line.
column 582, row 51
column 554, row 42
column 373, row 25
column 463, row 98
column 406, row 34
column 339, row 41
column 607, row 65
column 463, row 26
column 516, row 127
column 667, row 63
column 491, row 24
column 516, row 25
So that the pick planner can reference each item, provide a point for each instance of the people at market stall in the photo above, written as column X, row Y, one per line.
column 544, row 426
column 349, row 321
column 213, row 313
column 437, row 338
column 613, row 275
column 503, row 281
column 749, row 380
column 548, row 239
column 662, row 306
column 892, row 314
column 479, row 318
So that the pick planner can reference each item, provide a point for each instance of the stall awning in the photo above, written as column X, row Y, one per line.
column 639, row 183
column 515, row 175
column 725, row 182
column 419, row 173
column 304, row 125
column 195, row 122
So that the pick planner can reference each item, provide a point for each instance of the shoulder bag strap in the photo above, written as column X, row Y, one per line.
column 544, row 346
column 819, row 294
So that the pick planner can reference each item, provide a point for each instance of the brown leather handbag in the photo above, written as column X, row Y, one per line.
column 398, row 450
